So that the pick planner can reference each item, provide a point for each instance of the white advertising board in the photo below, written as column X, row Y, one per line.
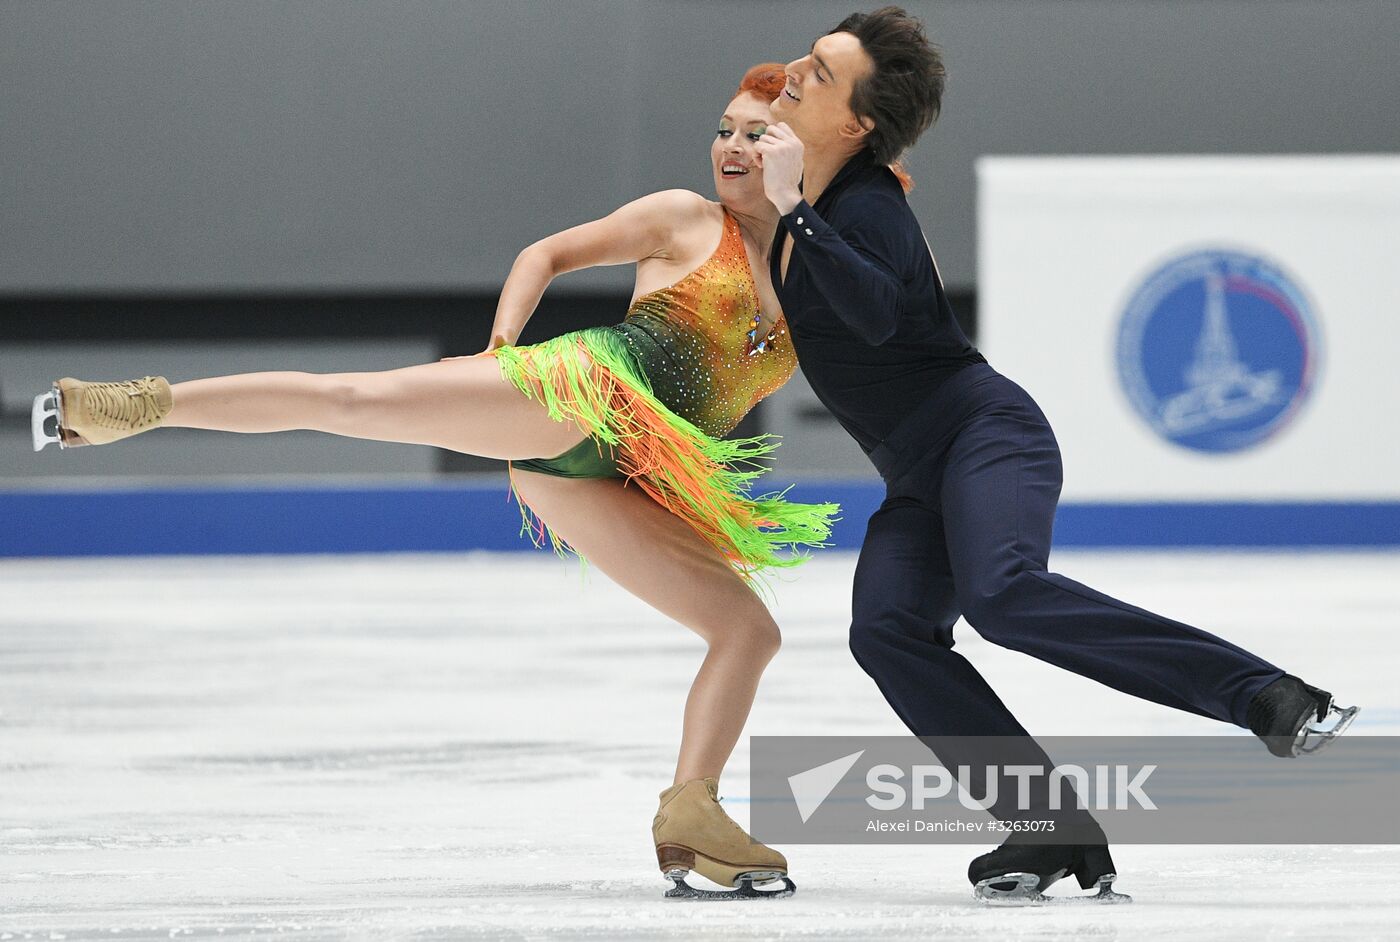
column 1201, row 328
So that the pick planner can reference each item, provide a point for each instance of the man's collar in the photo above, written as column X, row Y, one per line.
column 863, row 158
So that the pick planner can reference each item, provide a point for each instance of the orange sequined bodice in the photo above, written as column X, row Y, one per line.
column 697, row 344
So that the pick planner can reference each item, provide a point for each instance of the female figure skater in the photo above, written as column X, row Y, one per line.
column 582, row 416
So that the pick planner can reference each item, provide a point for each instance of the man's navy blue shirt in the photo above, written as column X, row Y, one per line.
column 865, row 307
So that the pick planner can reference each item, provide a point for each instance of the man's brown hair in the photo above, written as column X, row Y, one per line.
column 903, row 93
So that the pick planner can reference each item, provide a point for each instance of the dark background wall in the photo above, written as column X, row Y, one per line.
column 267, row 184
column 403, row 145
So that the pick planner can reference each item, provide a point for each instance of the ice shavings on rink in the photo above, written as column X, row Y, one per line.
column 462, row 747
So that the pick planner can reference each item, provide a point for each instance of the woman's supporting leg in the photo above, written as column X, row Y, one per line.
column 462, row 404
column 466, row 405
column 658, row 558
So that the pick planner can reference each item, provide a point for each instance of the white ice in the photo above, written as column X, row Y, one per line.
column 464, row 747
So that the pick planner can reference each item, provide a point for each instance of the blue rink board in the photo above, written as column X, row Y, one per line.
column 458, row 516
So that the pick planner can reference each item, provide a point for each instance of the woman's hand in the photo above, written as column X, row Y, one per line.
column 780, row 154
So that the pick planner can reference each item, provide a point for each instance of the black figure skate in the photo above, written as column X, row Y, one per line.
column 1283, row 715
column 1017, row 874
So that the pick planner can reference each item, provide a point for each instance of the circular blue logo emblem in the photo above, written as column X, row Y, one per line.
column 1218, row 350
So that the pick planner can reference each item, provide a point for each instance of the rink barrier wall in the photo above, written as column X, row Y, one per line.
column 462, row 516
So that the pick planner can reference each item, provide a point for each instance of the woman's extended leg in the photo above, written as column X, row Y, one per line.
column 463, row 404
column 658, row 558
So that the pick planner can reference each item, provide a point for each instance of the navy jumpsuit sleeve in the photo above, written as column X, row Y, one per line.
column 855, row 270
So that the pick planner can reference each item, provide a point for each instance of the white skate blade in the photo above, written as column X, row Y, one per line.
column 1314, row 739
column 46, row 406
column 745, row 890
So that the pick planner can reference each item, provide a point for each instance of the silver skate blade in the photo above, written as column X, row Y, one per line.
column 1023, row 889
column 745, row 890
column 46, row 406
column 1315, row 738
column 1012, row 889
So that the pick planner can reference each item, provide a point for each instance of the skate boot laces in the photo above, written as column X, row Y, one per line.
column 121, row 406
column 719, row 802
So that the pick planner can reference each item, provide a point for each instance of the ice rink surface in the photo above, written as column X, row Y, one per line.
column 470, row 747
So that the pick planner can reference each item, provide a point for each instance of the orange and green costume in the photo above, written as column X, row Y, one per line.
column 656, row 392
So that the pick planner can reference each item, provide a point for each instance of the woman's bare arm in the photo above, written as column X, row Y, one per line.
column 643, row 228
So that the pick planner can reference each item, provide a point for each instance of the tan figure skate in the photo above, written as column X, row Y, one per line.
column 692, row 832
column 98, row 413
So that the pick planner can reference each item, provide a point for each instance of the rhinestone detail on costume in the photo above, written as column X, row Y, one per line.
column 701, row 341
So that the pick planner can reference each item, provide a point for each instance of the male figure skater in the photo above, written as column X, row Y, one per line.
column 971, row 466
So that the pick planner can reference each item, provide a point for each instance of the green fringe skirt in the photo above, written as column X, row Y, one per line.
column 591, row 378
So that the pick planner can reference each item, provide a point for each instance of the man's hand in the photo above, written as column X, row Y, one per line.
column 780, row 155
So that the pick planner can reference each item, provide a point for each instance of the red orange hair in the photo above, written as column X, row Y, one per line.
column 766, row 81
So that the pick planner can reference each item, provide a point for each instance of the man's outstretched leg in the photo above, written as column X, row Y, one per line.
column 999, row 488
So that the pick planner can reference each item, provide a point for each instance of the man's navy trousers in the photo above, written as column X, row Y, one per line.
column 973, row 477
